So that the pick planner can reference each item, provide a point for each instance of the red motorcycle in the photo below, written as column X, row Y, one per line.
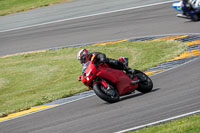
column 109, row 84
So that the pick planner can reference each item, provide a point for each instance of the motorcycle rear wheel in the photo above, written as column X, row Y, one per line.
column 145, row 85
column 98, row 89
column 195, row 18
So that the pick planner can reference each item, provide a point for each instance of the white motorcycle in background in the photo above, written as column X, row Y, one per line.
column 190, row 14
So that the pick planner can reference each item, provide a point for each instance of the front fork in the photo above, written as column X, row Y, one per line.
column 103, row 82
column 107, row 89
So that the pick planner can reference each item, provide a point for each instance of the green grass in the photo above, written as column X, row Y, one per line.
column 34, row 79
column 13, row 6
column 190, row 124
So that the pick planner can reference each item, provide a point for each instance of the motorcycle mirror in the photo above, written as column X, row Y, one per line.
column 79, row 78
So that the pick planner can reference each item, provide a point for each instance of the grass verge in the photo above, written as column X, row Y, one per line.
column 33, row 79
column 13, row 6
column 189, row 124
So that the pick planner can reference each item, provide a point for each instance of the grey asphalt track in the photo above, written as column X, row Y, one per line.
column 67, row 10
column 175, row 91
column 153, row 20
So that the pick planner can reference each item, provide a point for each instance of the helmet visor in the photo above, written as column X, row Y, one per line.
column 82, row 60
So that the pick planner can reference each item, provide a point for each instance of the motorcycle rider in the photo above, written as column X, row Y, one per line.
column 84, row 56
column 190, row 8
column 195, row 4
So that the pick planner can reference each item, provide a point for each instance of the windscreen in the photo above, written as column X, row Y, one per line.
column 84, row 66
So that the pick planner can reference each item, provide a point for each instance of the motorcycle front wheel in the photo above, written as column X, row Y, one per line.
column 100, row 91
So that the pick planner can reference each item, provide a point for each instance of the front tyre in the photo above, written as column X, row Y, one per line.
column 145, row 85
column 101, row 92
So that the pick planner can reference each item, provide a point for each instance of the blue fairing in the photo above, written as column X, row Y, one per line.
column 177, row 5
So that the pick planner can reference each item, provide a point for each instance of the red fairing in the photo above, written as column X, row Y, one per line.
column 117, row 77
column 89, row 74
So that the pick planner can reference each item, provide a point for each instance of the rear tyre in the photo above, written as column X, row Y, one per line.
column 145, row 85
column 195, row 18
column 100, row 91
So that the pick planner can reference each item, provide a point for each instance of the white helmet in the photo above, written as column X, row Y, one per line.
column 83, row 55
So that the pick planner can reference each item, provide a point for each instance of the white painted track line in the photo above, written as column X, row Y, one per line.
column 158, row 122
column 62, row 20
